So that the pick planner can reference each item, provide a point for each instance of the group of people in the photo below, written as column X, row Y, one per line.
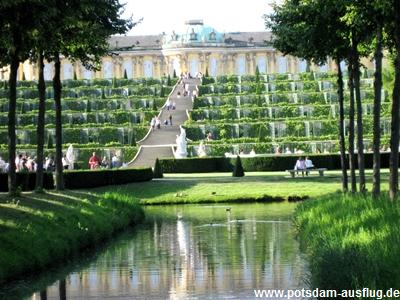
column 25, row 163
column 155, row 122
column 303, row 164
column 170, row 105
column 185, row 87
column 96, row 163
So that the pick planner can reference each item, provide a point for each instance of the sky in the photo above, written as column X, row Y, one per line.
column 223, row 15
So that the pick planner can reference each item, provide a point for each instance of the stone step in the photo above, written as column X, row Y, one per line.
column 167, row 134
column 148, row 155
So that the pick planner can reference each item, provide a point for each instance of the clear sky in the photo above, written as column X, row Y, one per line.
column 223, row 15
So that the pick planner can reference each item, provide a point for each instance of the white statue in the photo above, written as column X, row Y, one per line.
column 181, row 144
column 201, row 152
column 70, row 157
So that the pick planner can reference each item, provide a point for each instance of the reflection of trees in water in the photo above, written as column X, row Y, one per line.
column 183, row 257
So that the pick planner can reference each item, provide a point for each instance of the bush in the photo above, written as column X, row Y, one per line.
column 157, row 172
column 27, row 180
column 196, row 165
column 208, row 80
column 96, row 178
column 238, row 169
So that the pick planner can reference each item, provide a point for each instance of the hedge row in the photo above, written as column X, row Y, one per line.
column 262, row 163
column 87, row 105
column 96, row 178
column 80, row 179
column 26, row 181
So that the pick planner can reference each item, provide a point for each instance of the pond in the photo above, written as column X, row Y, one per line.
column 187, row 252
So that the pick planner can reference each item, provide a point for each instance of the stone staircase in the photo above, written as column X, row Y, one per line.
column 158, row 143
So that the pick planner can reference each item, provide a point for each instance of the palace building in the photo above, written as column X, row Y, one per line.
column 195, row 48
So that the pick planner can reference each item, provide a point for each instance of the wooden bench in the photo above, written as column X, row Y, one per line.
column 319, row 170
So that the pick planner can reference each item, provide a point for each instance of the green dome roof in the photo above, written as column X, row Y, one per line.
column 194, row 33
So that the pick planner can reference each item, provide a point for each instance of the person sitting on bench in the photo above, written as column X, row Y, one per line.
column 309, row 164
column 300, row 165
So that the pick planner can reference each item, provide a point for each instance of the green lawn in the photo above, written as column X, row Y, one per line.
column 222, row 187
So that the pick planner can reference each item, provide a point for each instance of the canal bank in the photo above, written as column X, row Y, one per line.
column 352, row 241
column 38, row 230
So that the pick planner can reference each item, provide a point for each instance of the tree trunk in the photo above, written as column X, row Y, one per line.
column 394, row 134
column 360, row 129
column 40, row 125
column 57, row 99
column 62, row 287
column 12, row 178
column 352, row 158
column 342, row 141
column 376, row 179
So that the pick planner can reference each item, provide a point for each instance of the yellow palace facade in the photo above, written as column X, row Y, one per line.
column 195, row 48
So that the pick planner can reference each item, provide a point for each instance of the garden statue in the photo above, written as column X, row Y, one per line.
column 70, row 157
column 201, row 152
column 181, row 144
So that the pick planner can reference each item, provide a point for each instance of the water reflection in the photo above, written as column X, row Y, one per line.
column 194, row 252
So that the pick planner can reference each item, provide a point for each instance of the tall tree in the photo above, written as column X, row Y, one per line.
column 81, row 32
column 41, row 123
column 313, row 31
column 394, row 33
column 352, row 157
column 43, row 32
column 16, row 32
column 342, row 140
column 378, row 9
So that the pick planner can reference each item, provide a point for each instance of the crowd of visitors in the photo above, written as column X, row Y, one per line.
column 105, row 163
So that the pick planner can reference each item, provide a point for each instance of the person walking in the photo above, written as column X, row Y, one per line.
column 170, row 119
column 158, row 123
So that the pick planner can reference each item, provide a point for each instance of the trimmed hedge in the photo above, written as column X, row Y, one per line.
column 96, row 178
column 259, row 163
column 26, row 181
column 196, row 165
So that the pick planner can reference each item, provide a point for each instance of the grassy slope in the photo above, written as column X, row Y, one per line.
column 39, row 229
column 352, row 242
column 222, row 187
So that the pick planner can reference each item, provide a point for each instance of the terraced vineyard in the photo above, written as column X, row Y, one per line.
column 105, row 116
column 290, row 111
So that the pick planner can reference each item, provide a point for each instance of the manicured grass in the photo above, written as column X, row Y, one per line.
column 222, row 187
column 41, row 229
column 352, row 242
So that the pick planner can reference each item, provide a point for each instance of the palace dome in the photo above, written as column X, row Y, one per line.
column 194, row 33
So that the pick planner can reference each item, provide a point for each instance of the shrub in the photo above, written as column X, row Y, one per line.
column 208, row 80
column 238, row 169
column 96, row 178
column 157, row 172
